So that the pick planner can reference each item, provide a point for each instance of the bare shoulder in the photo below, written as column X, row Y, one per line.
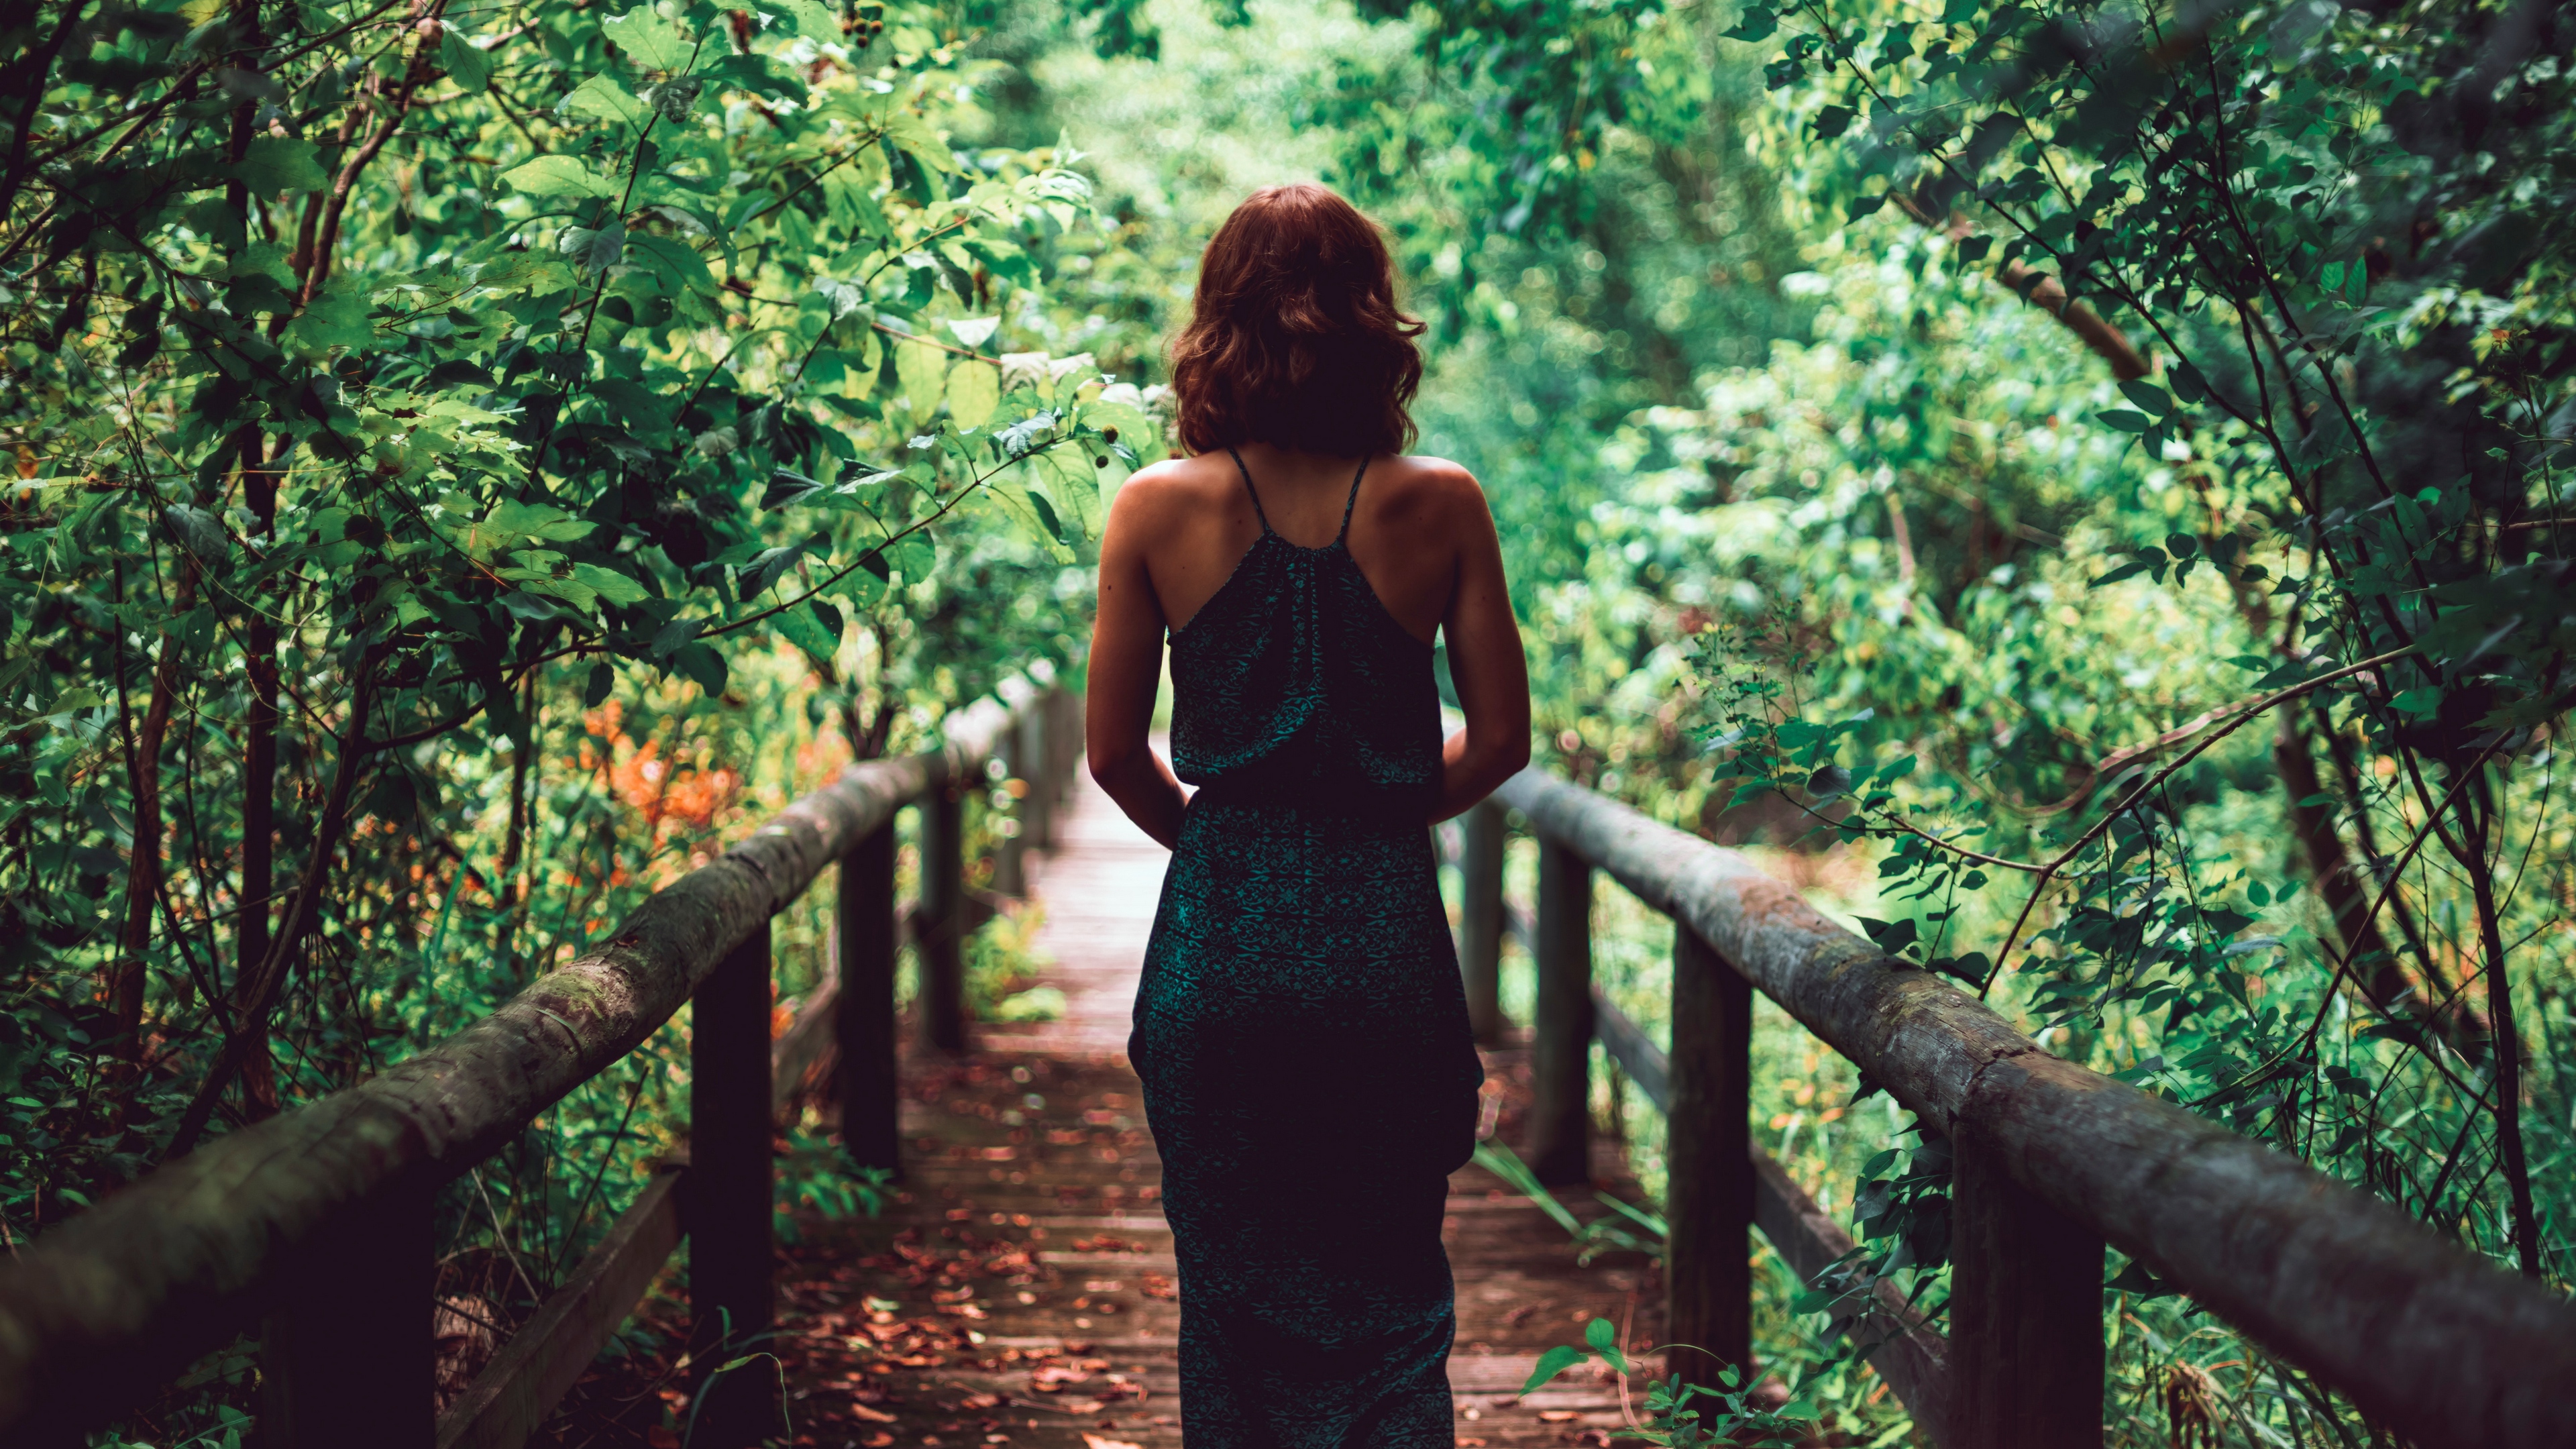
column 1434, row 491
column 1160, row 492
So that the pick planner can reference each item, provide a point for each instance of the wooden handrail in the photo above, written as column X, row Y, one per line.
column 123, row 1296
column 2447, row 1347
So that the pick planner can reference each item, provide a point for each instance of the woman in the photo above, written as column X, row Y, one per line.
column 1300, row 1028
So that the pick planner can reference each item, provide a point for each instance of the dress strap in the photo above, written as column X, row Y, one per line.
column 1255, row 492
column 1351, row 503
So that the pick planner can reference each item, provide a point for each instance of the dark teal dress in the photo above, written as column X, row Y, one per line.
column 1309, row 1074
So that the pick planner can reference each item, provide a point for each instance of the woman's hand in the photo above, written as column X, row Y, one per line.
column 1127, row 667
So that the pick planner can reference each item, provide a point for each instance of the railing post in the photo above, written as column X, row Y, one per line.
column 865, row 1026
column 1561, row 1056
column 349, row 1344
column 1709, row 1164
column 728, row 1197
column 1010, row 855
column 1064, row 728
column 1480, row 925
column 2025, row 1312
column 1033, row 753
column 939, row 923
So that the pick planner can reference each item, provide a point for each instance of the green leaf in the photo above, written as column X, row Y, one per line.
column 922, row 372
column 813, row 21
column 199, row 532
column 277, row 164
column 1046, row 515
column 2151, row 399
column 648, row 41
column 974, row 391
column 1758, row 22
column 2124, row 420
column 459, row 57
column 2135, row 1279
column 1551, row 1363
column 675, row 260
column 603, row 678
column 559, row 175
column 1793, row 733
column 533, row 522
column 1601, row 1335
column 611, row 585
column 602, row 98
column 768, row 567
column 909, row 131
column 337, row 318
column 2423, row 702
column 1832, row 121
column 1890, row 936
column 802, row 627
column 702, row 663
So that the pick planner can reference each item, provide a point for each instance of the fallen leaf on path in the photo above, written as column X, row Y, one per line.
column 873, row 1416
column 1096, row 1442
column 1557, row 1416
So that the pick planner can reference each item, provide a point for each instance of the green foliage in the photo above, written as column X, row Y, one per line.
column 461, row 469
column 817, row 1175
column 2202, row 715
column 1679, row 1415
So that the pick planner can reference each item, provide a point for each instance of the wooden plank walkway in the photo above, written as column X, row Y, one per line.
column 1021, row 1291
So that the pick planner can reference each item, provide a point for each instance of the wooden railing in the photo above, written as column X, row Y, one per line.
column 2049, row 1162
column 315, row 1226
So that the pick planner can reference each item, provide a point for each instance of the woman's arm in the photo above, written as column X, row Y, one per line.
column 1485, row 665
column 1126, row 667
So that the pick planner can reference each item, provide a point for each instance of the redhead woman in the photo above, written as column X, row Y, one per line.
column 1300, row 1028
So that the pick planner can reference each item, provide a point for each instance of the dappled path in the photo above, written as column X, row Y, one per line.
column 1028, row 1260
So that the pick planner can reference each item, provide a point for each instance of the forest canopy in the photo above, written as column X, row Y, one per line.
column 2075, row 485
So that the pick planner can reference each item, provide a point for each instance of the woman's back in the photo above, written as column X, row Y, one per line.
column 1410, row 521
column 1204, row 551
column 1299, row 671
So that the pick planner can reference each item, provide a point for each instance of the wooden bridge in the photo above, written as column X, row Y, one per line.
column 1020, row 1290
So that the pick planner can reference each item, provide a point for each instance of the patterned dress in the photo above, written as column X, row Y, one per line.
column 1309, row 1074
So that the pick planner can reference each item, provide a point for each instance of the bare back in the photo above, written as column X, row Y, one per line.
column 1419, row 533
column 1404, row 524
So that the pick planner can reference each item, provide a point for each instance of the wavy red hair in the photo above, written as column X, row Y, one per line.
column 1294, row 337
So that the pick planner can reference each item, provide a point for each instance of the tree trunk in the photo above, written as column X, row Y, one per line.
column 2349, row 893
column 257, row 995
column 128, row 977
